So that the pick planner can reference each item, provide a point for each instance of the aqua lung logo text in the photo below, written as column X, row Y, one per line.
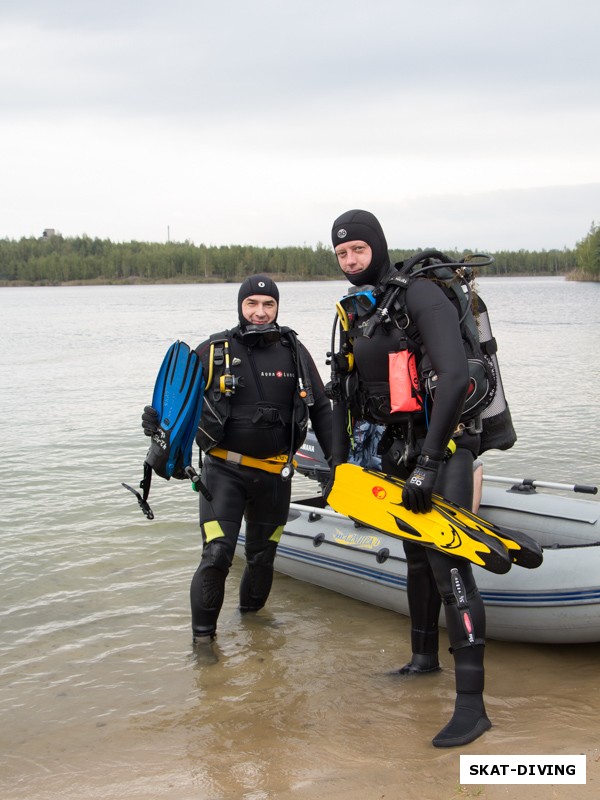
column 278, row 374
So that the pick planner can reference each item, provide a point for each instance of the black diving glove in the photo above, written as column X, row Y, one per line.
column 150, row 420
column 416, row 495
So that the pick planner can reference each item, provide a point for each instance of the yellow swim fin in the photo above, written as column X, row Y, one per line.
column 524, row 551
column 374, row 499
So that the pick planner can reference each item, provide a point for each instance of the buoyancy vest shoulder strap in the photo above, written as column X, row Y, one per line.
column 219, row 344
column 216, row 357
column 305, row 389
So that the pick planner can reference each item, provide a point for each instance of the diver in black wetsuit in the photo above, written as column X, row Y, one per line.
column 416, row 449
column 264, row 388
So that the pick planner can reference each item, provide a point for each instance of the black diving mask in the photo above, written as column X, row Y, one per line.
column 260, row 334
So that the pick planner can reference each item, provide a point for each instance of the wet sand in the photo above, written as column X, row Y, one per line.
column 297, row 703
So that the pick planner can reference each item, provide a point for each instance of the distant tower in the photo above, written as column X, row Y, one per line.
column 48, row 233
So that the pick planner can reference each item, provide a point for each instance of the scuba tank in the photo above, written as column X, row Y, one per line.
column 497, row 432
column 485, row 402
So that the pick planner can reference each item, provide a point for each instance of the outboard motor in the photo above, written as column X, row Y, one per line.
column 311, row 460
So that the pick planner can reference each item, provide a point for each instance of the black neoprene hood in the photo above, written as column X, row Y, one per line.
column 358, row 225
column 256, row 284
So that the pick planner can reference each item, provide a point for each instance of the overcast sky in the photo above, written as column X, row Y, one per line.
column 472, row 123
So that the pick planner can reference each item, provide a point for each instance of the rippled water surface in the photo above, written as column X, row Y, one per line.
column 102, row 694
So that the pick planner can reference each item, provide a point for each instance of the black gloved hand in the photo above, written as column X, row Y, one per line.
column 416, row 495
column 150, row 420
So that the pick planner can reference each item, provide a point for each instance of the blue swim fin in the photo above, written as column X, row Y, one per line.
column 178, row 396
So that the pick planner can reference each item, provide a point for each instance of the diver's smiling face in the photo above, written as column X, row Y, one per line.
column 353, row 257
column 259, row 309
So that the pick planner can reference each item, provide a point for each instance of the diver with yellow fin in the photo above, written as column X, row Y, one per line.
column 414, row 358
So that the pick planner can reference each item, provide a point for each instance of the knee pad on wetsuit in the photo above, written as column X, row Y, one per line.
column 257, row 579
column 213, row 570
column 207, row 590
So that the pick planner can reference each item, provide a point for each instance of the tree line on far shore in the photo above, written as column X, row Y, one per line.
column 53, row 259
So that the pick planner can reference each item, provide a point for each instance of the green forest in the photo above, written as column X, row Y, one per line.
column 53, row 259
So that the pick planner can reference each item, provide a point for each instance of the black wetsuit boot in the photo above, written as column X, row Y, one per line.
column 424, row 652
column 469, row 720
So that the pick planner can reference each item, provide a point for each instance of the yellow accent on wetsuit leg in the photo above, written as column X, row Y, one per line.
column 276, row 535
column 213, row 530
column 450, row 449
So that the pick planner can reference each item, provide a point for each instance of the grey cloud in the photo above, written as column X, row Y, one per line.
column 201, row 58
column 540, row 218
column 245, row 95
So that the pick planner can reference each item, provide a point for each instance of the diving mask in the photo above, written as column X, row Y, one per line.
column 260, row 334
column 360, row 302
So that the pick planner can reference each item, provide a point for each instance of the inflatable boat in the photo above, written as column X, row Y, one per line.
column 559, row 602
